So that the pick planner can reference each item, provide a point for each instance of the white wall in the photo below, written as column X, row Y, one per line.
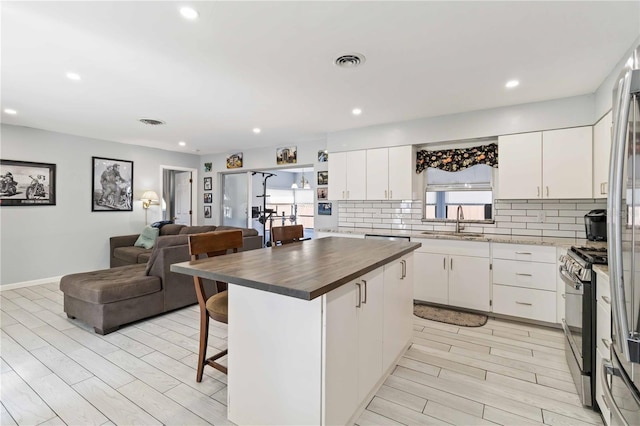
column 265, row 159
column 48, row 241
column 555, row 114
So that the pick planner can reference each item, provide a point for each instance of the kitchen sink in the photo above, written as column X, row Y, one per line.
column 454, row 233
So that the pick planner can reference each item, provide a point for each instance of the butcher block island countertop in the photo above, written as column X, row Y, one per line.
column 303, row 270
column 315, row 327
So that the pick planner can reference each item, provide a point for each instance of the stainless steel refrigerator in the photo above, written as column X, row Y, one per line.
column 621, row 376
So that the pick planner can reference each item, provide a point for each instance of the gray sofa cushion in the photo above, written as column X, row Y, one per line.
column 197, row 229
column 161, row 242
column 110, row 285
column 132, row 254
column 171, row 229
column 246, row 232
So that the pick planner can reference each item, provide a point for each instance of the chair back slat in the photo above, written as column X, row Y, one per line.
column 287, row 234
column 214, row 243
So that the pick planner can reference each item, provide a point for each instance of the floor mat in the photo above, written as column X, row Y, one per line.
column 449, row 316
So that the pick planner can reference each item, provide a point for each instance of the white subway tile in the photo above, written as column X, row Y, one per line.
column 553, row 206
column 570, row 227
column 573, row 213
column 551, row 233
column 524, row 219
column 563, row 219
column 528, row 232
column 512, row 225
column 542, row 226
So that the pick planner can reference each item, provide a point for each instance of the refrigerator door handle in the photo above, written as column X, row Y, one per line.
column 606, row 371
column 614, row 206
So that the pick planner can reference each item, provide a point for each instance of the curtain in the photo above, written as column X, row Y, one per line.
column 452, row 160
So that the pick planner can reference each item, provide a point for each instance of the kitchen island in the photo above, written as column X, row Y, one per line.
column 314, row 327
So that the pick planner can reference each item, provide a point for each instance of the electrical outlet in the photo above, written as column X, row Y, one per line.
column 541, row 217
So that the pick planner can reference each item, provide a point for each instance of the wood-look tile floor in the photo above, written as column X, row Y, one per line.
column 58, row 371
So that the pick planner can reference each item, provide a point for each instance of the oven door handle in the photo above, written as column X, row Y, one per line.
column 572, row 281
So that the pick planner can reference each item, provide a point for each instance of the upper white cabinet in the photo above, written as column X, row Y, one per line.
column 347, row 175
column 546, row 164
column 601, row 153
column 391, row 173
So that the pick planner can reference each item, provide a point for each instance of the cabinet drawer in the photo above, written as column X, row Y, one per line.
column 462, row 248
column 606, row 413
column 525, row 303
column 603, row 289
column 603, row 326
column 518, row 273
column 524, row 252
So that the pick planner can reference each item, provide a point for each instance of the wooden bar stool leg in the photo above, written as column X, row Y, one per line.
column 204, row 337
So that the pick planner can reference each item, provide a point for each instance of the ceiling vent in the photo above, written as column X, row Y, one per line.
column 151, row 121
column 350, row 60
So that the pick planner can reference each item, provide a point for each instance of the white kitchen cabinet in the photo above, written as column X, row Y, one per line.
column 455, row 273
column 391, row 174
column 545, row 164
column 370, row 328
column 347, row 175
column 524, row 281
column 398, row 309
column 603, row 335
column 601, row 153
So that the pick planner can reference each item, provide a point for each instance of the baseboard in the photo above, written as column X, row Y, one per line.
column 29, row 283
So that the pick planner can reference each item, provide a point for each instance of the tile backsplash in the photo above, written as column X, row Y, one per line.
column 547, row 218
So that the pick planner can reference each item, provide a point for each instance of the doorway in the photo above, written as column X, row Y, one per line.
column 177, row 195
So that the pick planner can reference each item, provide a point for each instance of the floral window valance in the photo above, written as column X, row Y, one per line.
column 452, row 160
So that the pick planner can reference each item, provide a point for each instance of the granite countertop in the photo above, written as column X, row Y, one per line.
column 304, row 270
column 496, row 238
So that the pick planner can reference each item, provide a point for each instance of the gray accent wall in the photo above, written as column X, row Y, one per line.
column 41, row 242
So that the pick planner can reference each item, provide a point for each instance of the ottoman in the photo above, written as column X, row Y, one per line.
column 109, row 298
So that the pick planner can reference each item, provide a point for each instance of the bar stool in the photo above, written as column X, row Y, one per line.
column 287, row 234
column 212, row 244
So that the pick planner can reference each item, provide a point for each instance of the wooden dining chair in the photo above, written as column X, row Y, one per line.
column 212, row 244
column 286, row 234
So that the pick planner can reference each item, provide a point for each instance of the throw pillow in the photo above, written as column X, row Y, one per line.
column 147, row 238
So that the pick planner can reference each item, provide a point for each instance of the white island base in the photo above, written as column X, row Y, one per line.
column 317, row 362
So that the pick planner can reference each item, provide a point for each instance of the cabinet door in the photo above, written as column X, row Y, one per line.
column 338, row 176
column 402, row 170
column 356, row 167
column 469, row 284
column 378, row 174
column 601, row 153
column 520, row 171
column 606, row 413
column 567, row 168
column 430, row 278
column 398, row 309
column 370, row 320
column 340, row 390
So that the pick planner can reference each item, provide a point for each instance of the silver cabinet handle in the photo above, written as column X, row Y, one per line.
column 343, row 195
column 606, row 300
column 606, row 343
column 391, row 193
column 538, row 188
column 523, row 252
column 524, row 275
column 385, row 194
column 608, row 370
column 364, row 301
column 347, row 194
column 564, row 296
column 547, row 191
column 451, row 263
column 524, row 303
column 404, row 269
column 444, row 263
column 359, row 295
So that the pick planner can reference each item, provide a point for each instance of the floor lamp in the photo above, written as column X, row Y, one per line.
column 148, row 198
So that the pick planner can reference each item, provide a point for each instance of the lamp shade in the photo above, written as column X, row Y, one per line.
column 149, row 195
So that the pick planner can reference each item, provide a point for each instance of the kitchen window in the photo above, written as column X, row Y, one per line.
column 471, row 188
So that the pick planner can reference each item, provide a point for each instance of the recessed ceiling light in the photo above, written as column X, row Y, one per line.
column 10, row 111
column 188, row 13
column 356, row 111
column 73, row 76
column 256, row 130
column 182, row 143
column 511, row 84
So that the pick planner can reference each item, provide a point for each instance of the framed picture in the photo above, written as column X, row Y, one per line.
column 111, row 185
column 234, row 161
column 208, row 197
column 208, row 167
column 323, row 178
column 323, row 193
column 208, row 183
column 207, row 212
column 23, row 183
column 287, row 155
column 323, row 156
column 324, row 209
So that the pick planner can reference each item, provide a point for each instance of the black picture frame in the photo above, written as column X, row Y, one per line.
column 25, row 183
column 323, row 156
column 208, row 184
column 208, row 197
column 111, row 185
column 287, row 155
column 207, row 212
column 323, row 178
column 324, row 209
column 323, row 193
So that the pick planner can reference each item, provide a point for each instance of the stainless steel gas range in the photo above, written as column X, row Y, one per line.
column 579, row 322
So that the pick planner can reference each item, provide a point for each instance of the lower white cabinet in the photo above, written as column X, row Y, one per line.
column 398, row 309
column 524, row 302
column 455, row 273
column 603, row 336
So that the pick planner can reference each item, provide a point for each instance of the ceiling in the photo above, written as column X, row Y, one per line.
column 242, row 65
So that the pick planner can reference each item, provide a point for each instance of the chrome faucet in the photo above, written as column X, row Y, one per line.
column 459, row 217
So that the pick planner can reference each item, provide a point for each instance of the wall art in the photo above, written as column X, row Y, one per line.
column 208, row 183
column 207, row 212
column 208, row 197
column 323, row 193
column 111, row 185
column 234, row 161
column 324, row 209
column 287, row 155
column 323, row 178
column 23, row 183
column 208, row 167
column 323, row 156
